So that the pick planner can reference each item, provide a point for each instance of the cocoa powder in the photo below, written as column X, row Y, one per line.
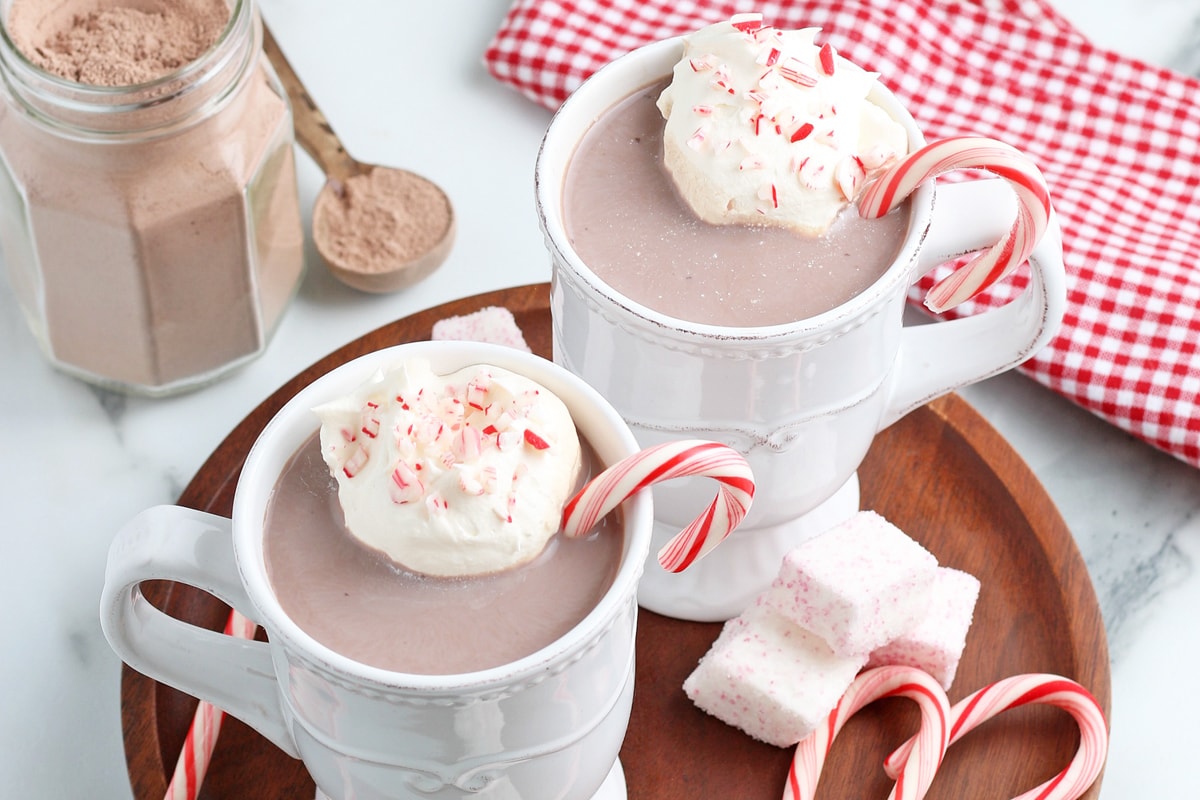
column 112, row 43
column 381, row 219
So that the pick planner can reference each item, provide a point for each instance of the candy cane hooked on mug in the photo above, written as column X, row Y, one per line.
column 663, row 462
column 967, row 152
column 1033, row 689
column 920, row 761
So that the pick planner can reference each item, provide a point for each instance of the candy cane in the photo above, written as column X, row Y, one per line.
column 1020, row 690
column 662, row 462
column 964, row 152
column 921, row 760
column 197, row 752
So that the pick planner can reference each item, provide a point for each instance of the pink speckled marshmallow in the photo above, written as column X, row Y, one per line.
column 770, row 678
column 858, row 585
column 936, row 644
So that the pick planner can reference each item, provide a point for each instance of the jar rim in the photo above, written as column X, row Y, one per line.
column 54, row 92
column 10, row 47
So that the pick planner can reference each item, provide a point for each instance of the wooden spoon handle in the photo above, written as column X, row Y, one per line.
column 313, row 131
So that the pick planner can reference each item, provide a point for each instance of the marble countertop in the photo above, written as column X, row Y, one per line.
column 82, row 461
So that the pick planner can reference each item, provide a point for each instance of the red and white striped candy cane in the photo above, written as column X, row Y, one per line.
column 201, row 739
column 662, row 462
column 969, row 152
column 1035, row 688
column 921, row 760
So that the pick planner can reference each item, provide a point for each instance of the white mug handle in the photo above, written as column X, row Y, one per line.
column 935, row 359
column 180, row 544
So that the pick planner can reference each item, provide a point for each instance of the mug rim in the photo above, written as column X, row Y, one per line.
column 293, row 423
column 652, row 63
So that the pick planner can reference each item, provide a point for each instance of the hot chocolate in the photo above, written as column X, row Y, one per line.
column 356, row 601
column 627, row 222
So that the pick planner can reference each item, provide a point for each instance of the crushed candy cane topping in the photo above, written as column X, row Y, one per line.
column 454, row 475
column 766, row 127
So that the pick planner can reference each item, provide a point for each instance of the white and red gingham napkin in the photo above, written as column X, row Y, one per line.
column 1118, row 141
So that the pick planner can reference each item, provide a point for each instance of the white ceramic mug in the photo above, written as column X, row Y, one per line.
column 802, row 401
column 549, row 725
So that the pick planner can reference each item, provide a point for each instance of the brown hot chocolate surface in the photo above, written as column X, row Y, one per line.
column 626, row 221
column 356, row 602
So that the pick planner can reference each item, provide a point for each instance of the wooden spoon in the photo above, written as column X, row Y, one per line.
column 379, row 229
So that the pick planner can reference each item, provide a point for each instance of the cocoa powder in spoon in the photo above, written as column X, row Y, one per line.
column 380, row 219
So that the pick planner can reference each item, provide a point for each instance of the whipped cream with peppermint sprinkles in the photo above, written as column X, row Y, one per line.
column 454, row 475
column 765, row 127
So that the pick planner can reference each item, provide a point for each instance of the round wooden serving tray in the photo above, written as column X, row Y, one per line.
column 942, row 474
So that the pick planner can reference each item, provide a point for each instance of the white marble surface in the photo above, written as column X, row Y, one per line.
column 78, row 462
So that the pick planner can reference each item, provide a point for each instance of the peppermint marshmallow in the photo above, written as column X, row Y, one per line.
column 858, row 585
column 769, row 677
column 937, row 642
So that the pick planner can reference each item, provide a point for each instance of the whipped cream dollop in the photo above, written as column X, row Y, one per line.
column 451, row 475
column 765, row 127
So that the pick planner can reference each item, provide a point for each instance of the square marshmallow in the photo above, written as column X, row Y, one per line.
column 770, row 678
column 937, row 642
column 494, row 324
column 858, row 585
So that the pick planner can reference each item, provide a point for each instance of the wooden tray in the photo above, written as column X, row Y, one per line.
column 942, row 474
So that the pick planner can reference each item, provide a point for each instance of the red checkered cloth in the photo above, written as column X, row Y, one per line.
column 1117, row 139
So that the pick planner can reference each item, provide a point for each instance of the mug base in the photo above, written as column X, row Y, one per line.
column 613, row 787
column 724, row 583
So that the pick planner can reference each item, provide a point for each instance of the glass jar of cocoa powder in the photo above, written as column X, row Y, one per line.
column 149, row 215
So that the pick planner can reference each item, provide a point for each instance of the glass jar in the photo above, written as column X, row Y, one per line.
column 151, row 233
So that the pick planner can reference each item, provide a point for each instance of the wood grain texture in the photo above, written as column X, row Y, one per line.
column 942, row 474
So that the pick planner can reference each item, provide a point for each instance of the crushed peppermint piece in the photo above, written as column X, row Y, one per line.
column 750, row 22
column 850, row 176
column 802, row 132
column 826, row 58
column 796, row 71
column 769, row 55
